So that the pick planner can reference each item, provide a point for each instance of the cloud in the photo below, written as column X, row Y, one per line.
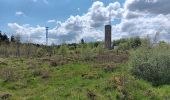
column 142, row 26
column 149, row 6
column 19, row 13
column 37, row 34
column 51, row 21
column 44, row 1
column 137, row 18
column 146, row 17
column 99, row 14
column 89, row 25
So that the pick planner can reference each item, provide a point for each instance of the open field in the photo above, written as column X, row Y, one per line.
column 42, row 79
column 136, row 70
column 85, row 50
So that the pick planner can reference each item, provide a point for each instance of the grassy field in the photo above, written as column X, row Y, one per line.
column 42, row 79
column 136, row 70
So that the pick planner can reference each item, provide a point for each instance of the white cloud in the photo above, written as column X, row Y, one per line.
column 51, row 21
column 149, row 6
column 138, row 18
column 74, row 28
column 142, row 26
column 19, row 13
column 146, row 17
column 44, row 1
column 88, row 26
column 37, row 34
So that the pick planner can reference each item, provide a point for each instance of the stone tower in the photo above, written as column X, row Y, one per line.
column 108, row 32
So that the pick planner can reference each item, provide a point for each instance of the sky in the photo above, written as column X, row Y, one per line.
column 71, row 20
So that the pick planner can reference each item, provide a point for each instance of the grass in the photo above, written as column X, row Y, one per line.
column 32, row 79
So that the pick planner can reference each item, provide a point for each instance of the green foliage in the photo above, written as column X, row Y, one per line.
column 126, row 44
column 135, row 42
column 117, row 42
column 8, row 74
column 130, row 89
column 152, row 64
column 13, row 38
column 74, row 81
column 86, row 53
column 82, row 41
column 40, row 52
column 85, row 71
column 3, row 37
column 100, row 49
column 63, row 50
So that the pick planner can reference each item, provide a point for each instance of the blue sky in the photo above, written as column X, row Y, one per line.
column 40, row 11
column 72, row 20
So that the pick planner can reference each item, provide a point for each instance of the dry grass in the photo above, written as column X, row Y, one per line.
column 111, row 58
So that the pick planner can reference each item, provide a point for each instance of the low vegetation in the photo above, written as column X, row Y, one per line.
column 134, row 70
column 152, row 64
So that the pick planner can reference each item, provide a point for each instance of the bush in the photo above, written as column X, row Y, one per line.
column 63, row 50
column 152, row 64
column 135, row 42
column 124, row 46
column 100, row 49
column 129, row 43
column 128, row 88
column 87, row 54
column 43, row 73
column 40, row 52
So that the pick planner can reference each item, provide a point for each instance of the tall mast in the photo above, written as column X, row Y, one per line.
column 110, row 17
column 47, row 35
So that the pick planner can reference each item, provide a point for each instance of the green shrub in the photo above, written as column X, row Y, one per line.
column 100, row 49
column 40, row 52
column 63, row 50
column 123, row 46
column 87, row 54
column 128, row 43
column 152, row 64
column 135, row 42
column 129, row 88
column 43, row 73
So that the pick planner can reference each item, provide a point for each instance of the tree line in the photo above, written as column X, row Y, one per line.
column 5, row 39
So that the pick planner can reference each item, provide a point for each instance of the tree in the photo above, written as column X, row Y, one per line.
column 0, row 36
column 135, row 42
column 82, row 41
column 13, row 38
column 5, row 38
column 63, row 50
